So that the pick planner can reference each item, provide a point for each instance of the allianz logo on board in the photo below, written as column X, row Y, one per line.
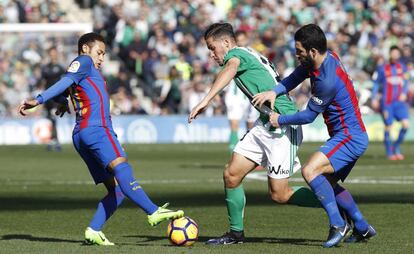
column 141, row 131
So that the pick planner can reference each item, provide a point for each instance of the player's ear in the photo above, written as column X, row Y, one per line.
column 85, row 48
column 313, row 52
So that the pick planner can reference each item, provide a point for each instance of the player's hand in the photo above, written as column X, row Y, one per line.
column 27, row 104
column 274, row 119
column 197, row 110
column 260, row 98
column 375, row 105
column 62, row 109
column 402, row 97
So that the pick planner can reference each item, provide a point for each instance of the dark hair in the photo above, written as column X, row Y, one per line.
column 88, row 39
column 394, row 47
column 312, row 36
column 217, row 30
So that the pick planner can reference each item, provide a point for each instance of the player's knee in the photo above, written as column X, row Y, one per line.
column 231, row 180
column 308, row 172
column 405, row 124
column 279, row 197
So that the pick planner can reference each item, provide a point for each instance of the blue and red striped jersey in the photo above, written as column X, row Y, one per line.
column 391, row 80
column 333, row 95
column 88, row 94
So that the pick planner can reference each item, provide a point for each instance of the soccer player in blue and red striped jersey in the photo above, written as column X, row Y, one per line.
column 94, row 137
column 334, row 96
column 391, row 79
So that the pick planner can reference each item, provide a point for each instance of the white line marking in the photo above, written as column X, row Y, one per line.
column 262, row 176
column 254, row 176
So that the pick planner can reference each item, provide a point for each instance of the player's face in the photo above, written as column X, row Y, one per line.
column 97, row 53
column 218, row 49
column 395, row 55
column 241, row 40
column 304, row 56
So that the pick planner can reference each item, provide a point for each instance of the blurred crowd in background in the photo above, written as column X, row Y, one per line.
column 158, row 61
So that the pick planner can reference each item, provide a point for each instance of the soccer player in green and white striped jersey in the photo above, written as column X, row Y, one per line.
column 274, row 149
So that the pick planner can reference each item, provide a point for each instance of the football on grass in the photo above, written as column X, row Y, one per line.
column 183, row 231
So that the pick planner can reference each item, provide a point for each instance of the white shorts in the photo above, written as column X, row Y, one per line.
column 276, row 151
column 239, row 108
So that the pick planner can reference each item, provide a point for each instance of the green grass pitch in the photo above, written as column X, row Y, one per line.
column 48, row 198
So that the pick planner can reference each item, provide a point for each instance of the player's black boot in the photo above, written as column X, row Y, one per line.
column 231, row 237
column 361, row 236
column 336, row 235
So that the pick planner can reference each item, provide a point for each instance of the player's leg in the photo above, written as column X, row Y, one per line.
column 282, row 163
column 106, row 207
column 313, row 172
column 108, row 151
column 133, row 190
column 246, row 156
column 387, row 116
column 362, row 230
column 402, row 115
column 238, row 167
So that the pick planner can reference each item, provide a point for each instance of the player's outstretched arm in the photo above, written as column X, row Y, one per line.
column 223, row 79
column 27, row 104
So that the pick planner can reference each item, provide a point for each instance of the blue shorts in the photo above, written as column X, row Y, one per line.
column 396, row 110
column 98, row 146
column 343, row 151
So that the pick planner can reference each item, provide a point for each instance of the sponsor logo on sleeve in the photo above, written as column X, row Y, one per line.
column 317, row 100
column 74, row 66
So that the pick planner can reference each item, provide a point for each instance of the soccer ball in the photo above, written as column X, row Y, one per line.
column 182, row 231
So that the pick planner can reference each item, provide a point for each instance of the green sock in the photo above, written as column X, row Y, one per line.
column 236, row 201
column 303, row 196
column 234, row 138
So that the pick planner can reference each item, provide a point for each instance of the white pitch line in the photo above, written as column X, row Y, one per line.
column 259, row 176
column 262, row 176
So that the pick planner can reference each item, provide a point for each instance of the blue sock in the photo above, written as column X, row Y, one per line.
column 324, row 192
column 131, row 188
column 106, row 208
column 387, row 143
column 399, row 141
column 346, row 202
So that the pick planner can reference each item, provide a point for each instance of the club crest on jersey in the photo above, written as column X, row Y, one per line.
column 74, row 66
column 317, row 100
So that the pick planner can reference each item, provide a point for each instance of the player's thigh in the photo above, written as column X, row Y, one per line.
column 97, row 170
column 103, row 143
column 401, row 111
column 342, row 151
column 239, row 166
column 281, row 152
column 250, row 147
column 317, row 164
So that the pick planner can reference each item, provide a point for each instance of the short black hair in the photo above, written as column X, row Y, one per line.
column 312, row 36
column 217, row 30
column 88, row 39
column 395, row 47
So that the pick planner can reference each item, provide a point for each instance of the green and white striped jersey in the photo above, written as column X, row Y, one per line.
column 257, row 74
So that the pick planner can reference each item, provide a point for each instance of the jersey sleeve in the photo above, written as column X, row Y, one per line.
column 244, row 62
column 322, row 95
column 79, row 69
